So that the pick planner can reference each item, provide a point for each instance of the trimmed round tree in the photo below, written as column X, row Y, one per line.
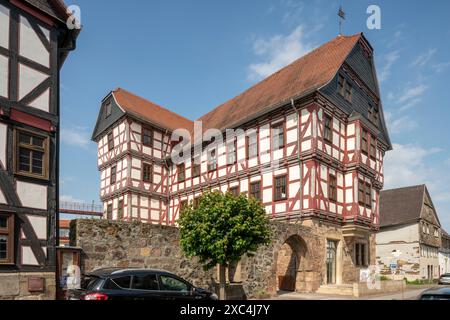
column 221, row 228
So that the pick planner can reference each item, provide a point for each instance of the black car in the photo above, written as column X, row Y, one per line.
column 136, row 284
column 439, row 293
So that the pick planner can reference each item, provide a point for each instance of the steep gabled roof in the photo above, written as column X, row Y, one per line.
column 54, row 8
column 401, row 206
column 140, row 107
column 302, row 76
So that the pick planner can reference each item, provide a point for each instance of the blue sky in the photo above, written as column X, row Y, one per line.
column 190, row 56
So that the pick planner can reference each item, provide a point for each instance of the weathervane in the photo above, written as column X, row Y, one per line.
column 341, row 15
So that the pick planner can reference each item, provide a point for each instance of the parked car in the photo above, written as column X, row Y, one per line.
column 438, row 293
column 445, row 279
column 136, row 284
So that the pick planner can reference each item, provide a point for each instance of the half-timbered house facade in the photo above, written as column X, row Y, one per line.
column 34, row 42
column 312, row 152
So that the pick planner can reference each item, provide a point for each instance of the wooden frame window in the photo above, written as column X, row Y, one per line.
column 280, row 188
column 108, row 109
column 364, row 142
column 147, row 137
column 348, row 92
column 196, row 167
column 6, row 238
column 181, row 172
column 252, row 146
column 365, row 194
column 110, row 141
column 183, row 206
column 332, row 190
column 368, row 195
column 278, row 137
column 147, row 172
column 341, row 85
column 120, row 210
column 212, row 160
column 32, row 154
column 361, row 254
column 234, row 191
column 327, row 128
column 196, row 202
column 113, row 176
column 109, row 211
column 373, row 147
column 255, row 190
column 232, row 152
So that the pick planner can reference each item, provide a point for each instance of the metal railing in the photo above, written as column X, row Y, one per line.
column 81, row 208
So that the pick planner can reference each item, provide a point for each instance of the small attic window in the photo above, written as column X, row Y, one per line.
column 372, row 115
column 108, row 109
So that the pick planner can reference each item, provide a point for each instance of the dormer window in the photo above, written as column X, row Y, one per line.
column 108, row 109
column 372, row 115
column 341, row 85
column 348, row 92
column 345, row 89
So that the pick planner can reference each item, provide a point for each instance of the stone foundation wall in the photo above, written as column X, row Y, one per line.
column 14, row 286
column 134, row 244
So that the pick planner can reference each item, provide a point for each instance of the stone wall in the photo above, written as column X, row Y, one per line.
column 134, row 244
column 14, row 286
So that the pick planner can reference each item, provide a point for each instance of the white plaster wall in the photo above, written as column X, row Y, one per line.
column 39, row 225
column 4, row 26
column 2, row 198
column 4, row 67
column 3, row 143
column 409, row 233
column 28, row 257
column 32, row 195
column 29, row 79
column 31, row 46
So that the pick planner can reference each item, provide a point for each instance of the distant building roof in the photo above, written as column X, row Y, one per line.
column 401, row 206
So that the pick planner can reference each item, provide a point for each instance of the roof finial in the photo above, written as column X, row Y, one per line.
column 341, row 15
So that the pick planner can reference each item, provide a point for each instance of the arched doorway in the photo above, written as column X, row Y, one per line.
column 290, row 262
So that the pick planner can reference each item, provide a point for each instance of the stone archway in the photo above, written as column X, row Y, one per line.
column 290, row 264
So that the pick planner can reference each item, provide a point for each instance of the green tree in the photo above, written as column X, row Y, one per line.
column 221, row 229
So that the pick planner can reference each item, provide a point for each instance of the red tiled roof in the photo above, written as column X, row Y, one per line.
column 306, row 74
column 150, row 111
column 302, row 76
column 64, row 224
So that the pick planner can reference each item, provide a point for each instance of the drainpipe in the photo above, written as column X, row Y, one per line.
column 298, row 153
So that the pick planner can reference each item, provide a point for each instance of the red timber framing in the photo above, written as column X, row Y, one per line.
column 306, row 159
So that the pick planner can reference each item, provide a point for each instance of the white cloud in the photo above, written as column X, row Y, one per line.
column 75, row 136
column 412, row 93
column 440, row 67
column 279, row 51
column 424, row 58
column 389, row 60
column 407, row 165
column 402, row 124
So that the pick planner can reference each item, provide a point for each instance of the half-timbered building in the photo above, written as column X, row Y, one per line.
column 34, row 42
column 312, row 153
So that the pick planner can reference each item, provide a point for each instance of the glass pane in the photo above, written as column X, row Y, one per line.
column 123, row 282
column 37, row 162
column 145, row 282
column 24, row 159
column 3, row 247
column 3, row 222
column 38, row 142
column 24, row 138
column 172, row 284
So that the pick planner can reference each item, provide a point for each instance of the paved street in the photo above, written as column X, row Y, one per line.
column 409, row 294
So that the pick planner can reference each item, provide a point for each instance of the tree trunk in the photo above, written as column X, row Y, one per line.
column 222, row 282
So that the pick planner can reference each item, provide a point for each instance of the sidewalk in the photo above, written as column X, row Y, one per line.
column 410, row 293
